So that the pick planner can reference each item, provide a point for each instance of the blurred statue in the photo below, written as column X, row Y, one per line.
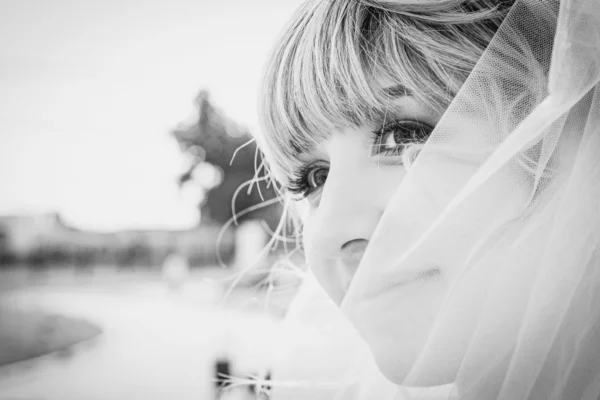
column 213, row 140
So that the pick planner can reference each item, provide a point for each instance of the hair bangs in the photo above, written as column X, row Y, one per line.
column 319, row 80
column 340, row 63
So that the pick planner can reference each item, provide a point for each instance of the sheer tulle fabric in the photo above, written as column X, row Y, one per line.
column 527, row 122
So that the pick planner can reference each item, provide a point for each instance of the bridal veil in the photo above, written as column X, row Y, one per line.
column 528, row 116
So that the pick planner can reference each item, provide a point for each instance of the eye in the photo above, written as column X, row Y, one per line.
column 309, row 179
column 317, row 177
column 393, row 137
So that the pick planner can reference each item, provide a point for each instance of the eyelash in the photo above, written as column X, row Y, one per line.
column 300, row 186
column 412, row 132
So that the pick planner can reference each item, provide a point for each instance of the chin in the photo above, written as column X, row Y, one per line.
column 397, row 347
column 394, row 368
column 402, row 368
column 400, row 358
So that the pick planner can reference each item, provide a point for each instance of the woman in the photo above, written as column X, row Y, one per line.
column 442, row 156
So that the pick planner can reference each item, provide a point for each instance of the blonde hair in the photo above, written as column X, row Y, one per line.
column 320, row 76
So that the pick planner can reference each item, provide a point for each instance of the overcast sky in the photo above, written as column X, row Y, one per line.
column 90, row 89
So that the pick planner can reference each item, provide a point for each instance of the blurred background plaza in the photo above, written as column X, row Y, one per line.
column 125, row 154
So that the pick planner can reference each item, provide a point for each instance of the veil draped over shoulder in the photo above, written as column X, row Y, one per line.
column 518, row 209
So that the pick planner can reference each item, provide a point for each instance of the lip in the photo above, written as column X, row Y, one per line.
column 401, row 280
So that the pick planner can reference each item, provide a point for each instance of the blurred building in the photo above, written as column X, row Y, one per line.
column 45, row 239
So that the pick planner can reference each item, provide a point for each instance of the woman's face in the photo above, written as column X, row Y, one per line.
column 348, row 182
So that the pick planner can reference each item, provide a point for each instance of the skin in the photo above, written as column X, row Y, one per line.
column 341, row 217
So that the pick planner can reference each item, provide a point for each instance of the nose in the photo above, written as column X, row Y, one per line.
column 336, row 239
column 345, row 219
column 354, row 248
column 349, row 208
column 337, row 231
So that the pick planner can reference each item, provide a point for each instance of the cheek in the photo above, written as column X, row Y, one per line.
column 314, row 254
column 300, row 209
column 396, row 326
column 498, row 201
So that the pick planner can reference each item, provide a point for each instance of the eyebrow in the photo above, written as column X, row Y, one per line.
column 397, row 91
